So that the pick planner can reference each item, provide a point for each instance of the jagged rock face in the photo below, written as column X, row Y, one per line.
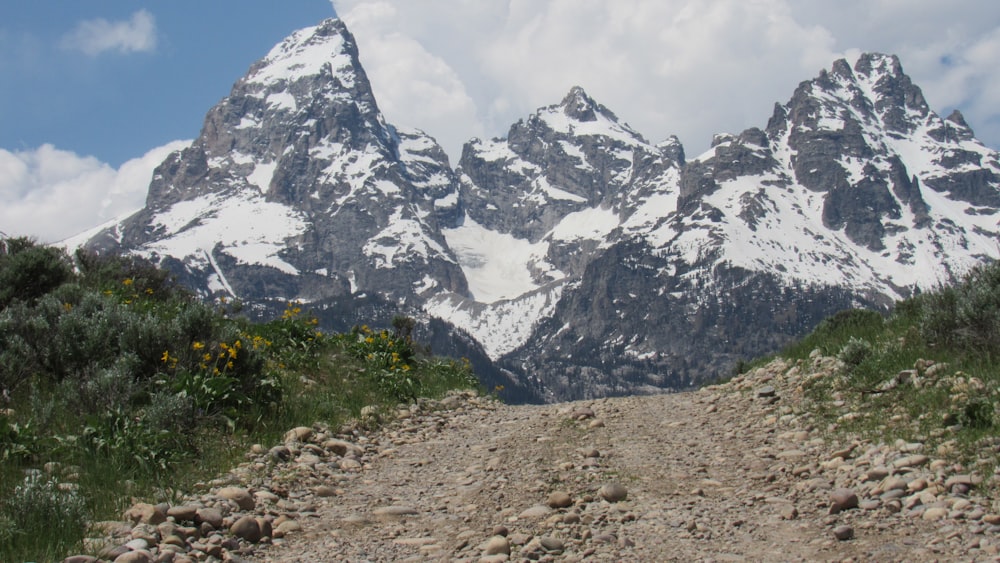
column 297, row 188
column 540, row 205
column 635, row 324
column 574, row 157
column 835, row 190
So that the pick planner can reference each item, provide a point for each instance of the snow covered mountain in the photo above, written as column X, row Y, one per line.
column 539, row 206
column 297, row 188
column 571, row 258
column 855, row 195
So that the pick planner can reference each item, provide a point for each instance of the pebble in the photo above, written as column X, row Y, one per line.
column 613, row 492
column 842, row 499
column 495, row 545
column 559, row 499
column 239, row 495
column 395, row 511
column 843, row 532
column 535, row 512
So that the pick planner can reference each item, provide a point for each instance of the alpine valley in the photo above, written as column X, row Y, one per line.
column 572, row 258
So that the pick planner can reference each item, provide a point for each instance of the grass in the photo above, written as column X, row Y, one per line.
column 116, row 385
column 929, row 372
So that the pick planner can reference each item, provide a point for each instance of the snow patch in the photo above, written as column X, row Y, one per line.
column 500, row 327
column 494, row 274
column 589, row 224
column 262, row 175
column 245, row 226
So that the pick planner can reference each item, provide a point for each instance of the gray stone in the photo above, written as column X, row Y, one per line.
column 298, row 434
column 551, row 544
column 239, row 495
column 184, row 513
column 559, row 499
column 496, row 545
column 395, row 511
column 280, row 453
column 842, row 499
column 613, row 492
column 324, row 491
column 142, row 556
column 535, row 512
column 843, row 532
column 766, row 391
column 145, row 513
column 246, row 528
column 211, row 516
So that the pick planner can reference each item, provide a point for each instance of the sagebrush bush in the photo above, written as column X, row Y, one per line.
column 854, row 352
column 36, row 515
column 966, row 315
column 28, row 271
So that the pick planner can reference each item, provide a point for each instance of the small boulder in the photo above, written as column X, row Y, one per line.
column 210, row 516
column 246, row 528
column 239, row 495
column 496, row 545
column 298, row 434
column 559, row 499
column 843, row 533
column 613, row 492
column 842, row 499
column 145, row 513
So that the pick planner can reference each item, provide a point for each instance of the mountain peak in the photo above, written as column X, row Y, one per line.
column 578, row 105
column 880, row 64
column 325, row 48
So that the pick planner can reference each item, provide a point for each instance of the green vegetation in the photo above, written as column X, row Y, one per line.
column 116, row 383
column 930, row 371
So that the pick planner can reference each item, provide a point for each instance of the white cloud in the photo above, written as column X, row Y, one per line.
column 465, row 68
column 414, row 87
column 52, row 194
column 97, row 36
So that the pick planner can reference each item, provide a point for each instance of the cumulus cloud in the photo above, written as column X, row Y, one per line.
column 463, row 68
column 415, row 88
column 52, row 194
column 97, row 36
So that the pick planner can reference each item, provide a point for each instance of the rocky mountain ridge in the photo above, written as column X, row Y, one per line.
column 572, row 258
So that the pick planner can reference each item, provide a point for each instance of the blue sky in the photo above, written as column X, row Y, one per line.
column 94, row 94
column 171, row 63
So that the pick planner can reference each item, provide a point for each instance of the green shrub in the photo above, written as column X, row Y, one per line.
column 966, row 315
column 977, row 413
column 40, row 518
column 855, row 352
column 834, row 332
column 389, row 361
column 28, row 271
column 127, row 274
